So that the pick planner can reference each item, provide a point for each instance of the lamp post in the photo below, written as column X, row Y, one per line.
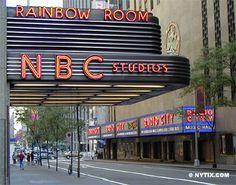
column 78, row 138
column 214, row 165
column 196, row 160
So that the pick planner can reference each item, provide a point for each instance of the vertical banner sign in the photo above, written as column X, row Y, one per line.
column 204, row 120
column 200, row 99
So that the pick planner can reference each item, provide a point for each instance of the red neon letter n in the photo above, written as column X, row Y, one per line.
column 36, row 70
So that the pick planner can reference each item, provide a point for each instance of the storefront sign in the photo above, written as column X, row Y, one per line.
column 94, row 133
column 127, row 128
column 75, row 13
column 203, row 120
column 108, row 131
column 161, row 123
column 177, row 121
column 64, row 70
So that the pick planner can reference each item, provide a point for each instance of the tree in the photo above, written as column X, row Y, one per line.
column 215, row 70
column 49, row 125
column 230, row 53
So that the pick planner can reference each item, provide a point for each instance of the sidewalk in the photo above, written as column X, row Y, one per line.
column 37, row 175
column 207, row 166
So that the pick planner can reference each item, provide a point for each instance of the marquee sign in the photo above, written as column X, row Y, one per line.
column 94, row 133
column 178, row 121
column 108, row 131
column 161, row 123
column 132, row 68
column 127, row 128
column 60, row 52
column 75, row 13
column 204, row 120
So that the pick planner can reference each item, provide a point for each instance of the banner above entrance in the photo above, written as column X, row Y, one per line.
column 177, row 121
column 87, row 57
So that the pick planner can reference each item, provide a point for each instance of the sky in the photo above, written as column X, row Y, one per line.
column 48, row 3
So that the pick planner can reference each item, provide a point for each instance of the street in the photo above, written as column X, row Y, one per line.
column 136, row 173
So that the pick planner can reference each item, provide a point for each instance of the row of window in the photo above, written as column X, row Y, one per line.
column 144, row 5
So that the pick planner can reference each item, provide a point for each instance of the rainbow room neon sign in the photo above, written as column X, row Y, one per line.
column 75, row 13
column 64, row 70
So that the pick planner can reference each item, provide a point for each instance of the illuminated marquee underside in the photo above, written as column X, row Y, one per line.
column 132, row 68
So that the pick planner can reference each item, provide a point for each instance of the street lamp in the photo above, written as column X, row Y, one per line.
column 198, row 108
column 196, row 160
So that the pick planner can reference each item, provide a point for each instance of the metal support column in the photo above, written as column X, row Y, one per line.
column 4, row 97
column 78, row 138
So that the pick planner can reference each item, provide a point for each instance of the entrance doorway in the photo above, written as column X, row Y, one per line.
column 164, row 157
column 138, row 150
column 187, row 150
column 114, row 151
column 171, row 150
column 205, row 151
column 157, row 150
column 146, row 150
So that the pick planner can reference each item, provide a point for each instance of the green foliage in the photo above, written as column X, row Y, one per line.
column 215, row 71
column 51, row 125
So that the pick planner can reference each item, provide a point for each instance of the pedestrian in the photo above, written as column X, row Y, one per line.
column 14, row 158
column 32, row 157
column 21, row 159
column 28, row 159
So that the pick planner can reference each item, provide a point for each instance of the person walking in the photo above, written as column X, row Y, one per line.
column 32, row 157
column 21, row 159
column 14, row 158
column 28, row 159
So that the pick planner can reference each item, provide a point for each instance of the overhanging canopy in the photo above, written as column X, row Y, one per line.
column 127, row 58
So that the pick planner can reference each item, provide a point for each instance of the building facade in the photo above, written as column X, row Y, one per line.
column 199, row 24
column 196, row 25
column 186, row 28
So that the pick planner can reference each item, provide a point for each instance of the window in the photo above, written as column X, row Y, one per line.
column 228, row 144
column 114, row 4
column 145, row 5
column 234, row 143
column 151, row 5
column 140, row 4
column 124, row 4
column 127, row 4
column 222, row 144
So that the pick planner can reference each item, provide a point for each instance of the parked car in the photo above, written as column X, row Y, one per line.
column 44, row 155
column 67, row 154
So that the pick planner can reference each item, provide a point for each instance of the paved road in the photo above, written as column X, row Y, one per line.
column 149, row 174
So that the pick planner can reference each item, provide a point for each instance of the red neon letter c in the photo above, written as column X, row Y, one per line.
column 90, row 75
